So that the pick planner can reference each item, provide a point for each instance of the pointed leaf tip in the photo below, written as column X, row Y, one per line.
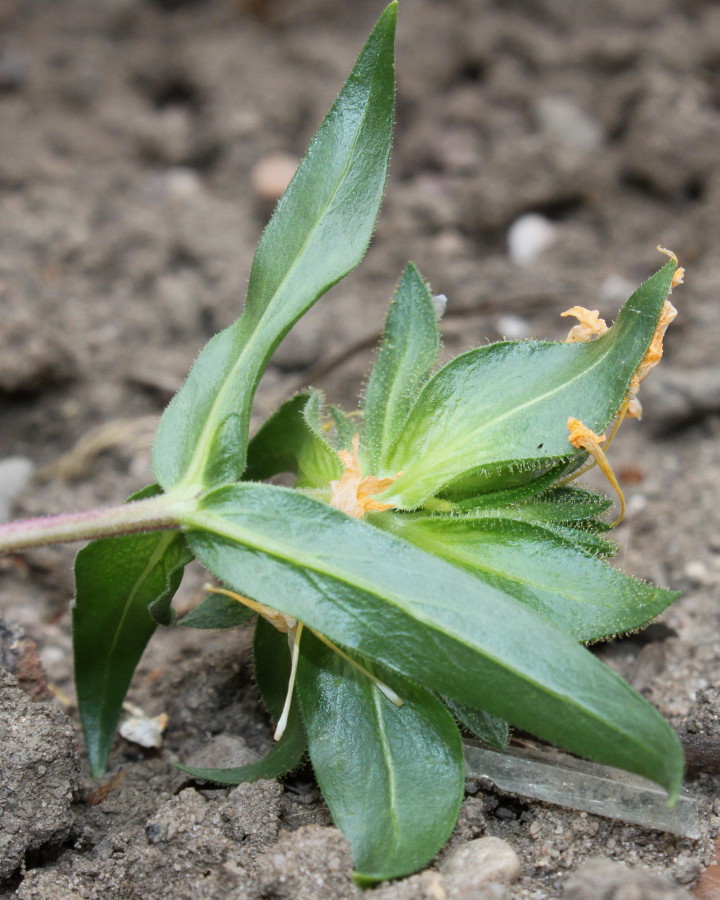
column 318, row 233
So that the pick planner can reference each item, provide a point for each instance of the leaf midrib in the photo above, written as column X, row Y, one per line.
column 515, row 579
column 163, row 544
column 299, row 560
column 387, row 759
column 203, row 445
column 389, row 424
column 467, row 437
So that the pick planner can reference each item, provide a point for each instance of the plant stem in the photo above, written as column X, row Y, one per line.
column 154, row 514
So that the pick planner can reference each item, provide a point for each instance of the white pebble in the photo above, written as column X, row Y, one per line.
column 482, row 861
column 514, row 327
column 182, row 183
column 616, row 289
column 15, row 473
column 696, row 571
column 564, row 119
column 636, row 504
column 528, row 237
column 144, row 730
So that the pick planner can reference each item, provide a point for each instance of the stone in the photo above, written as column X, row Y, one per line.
column 272, row 174
column 478, row 863
column 603, row 879
column 563, row 119
column 528, row 237
column 15, row 473
column 39, row 765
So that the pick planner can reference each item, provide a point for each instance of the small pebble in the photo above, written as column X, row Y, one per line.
column 15, row 473
column 635, row 505
column 616, row 289
column 479, row 862
column 145, row 731
column 272, row 174
column 696, row 571
column 528, row 237
column 562, row 118
column 514, row 327
column 686, row 870
column 181, row 183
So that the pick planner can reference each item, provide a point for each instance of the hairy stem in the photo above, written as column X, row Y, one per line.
column 154, row 514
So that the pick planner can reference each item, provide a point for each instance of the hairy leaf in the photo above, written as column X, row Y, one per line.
column 489, row 729
column 407, row 354
column 318, row 233
column 577, row 592
column 502, row 409
column 272, row 673
column 392, row 777
column 117, row 580
column 290, row 441
column 561, row 505
column 428, row 620
column 345, row 428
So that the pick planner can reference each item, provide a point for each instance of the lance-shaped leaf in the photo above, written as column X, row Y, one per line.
column 290, row 441
column 566, row 512
column 407, row 354
column 345, row 428
column 560, row 505
column 392, row 777
column 584, row 538
column 272, row 673
column 502, row 409
column 318, row 233
column 428, row 620
column 117, row 580
column 489, row 729
column 577, row 592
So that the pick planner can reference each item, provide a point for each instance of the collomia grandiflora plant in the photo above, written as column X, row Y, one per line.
column 435, row 564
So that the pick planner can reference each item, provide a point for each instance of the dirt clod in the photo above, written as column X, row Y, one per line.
column 601, row 879
column 39, row 766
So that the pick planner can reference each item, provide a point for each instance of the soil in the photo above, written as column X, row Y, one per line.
column 130, row 204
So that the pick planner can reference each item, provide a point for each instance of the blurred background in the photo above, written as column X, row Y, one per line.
column 543, row 149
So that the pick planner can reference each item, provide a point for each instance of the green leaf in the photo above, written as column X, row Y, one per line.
column 407, row 354
column 345, row 428
column 392, row 777
column 291, row 441
column 577, row 592
column 217, row 611
column 500, row 410
column 585, row 539
column 272, row 672
column 531, row 487
column 319, row 232
column 566, row 512
column 428, row 620
column 489, row 729
column 559, row 505
column 117, row 580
